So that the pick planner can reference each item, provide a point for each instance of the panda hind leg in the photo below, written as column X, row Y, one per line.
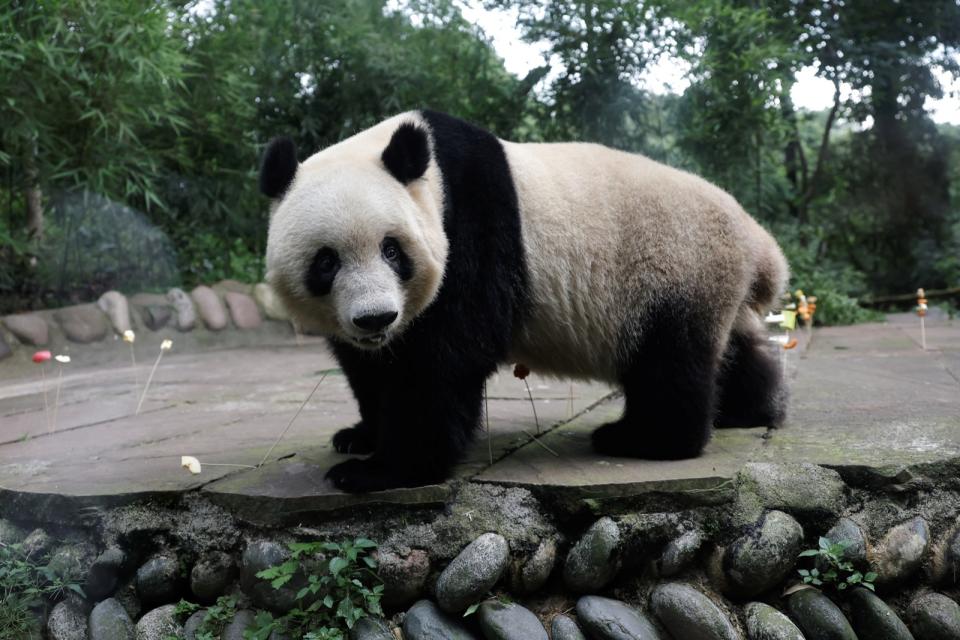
column 669, row 389
column 751, row 387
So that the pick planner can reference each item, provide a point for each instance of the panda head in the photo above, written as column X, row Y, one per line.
column 356, row 248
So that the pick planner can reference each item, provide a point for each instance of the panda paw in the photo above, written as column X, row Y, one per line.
column 355, row 440
column 362, row 475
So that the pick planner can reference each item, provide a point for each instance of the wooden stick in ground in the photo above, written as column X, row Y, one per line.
column 486, row 416
column 290, row 424
column 46, row 407
column 533, row 405
column 164, row 346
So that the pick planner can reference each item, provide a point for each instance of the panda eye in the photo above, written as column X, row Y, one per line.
column 326, row 260
column 390, row 250
column 322, row 271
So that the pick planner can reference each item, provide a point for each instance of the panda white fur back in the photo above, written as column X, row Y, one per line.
column 606, row 232
column 429, row 251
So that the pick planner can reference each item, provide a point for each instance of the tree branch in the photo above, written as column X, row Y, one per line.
column 824, row 144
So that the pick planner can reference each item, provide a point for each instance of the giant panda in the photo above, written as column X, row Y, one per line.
column 429, row 252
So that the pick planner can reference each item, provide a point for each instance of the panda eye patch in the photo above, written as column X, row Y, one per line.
column 394, row 255
column 322, row 271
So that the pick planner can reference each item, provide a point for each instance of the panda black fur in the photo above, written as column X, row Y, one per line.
column 430, row 252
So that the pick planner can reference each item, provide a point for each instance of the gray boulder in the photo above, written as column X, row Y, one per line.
column 500, row 621
column 426, row 621
column 607, row 619
column 872, row 618
column 564, row 628
column 818, row 617
column 689, row 614
column 109, row 621
column 67, row 622
column 760, row 559
column 593, row 561
column 934, row 616
column 763, row 622
column 471, row 575
column 158, row 624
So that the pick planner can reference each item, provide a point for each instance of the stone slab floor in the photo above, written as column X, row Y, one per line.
column 866, row 396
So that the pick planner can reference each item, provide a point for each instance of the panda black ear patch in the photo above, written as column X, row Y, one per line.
column 408, row 154
column 278, row 167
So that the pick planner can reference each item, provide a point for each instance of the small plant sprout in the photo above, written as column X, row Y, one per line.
column 41, row 357
column 833, row 569
column 166, row 345
column 130, row 337
column 61, row 360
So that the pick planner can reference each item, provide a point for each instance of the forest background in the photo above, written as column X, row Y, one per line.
column 130, row 133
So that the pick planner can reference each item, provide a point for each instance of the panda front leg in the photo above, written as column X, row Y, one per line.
column 669, row 385
column 428, row 421
column 363, row 374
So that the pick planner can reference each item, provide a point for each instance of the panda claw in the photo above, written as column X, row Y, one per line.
column 352, row 440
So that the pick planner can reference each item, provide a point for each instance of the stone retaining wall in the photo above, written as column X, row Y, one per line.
column 657, row 569
column 224, row 306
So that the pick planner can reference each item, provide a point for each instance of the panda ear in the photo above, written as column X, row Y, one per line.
column 408, row 154
column 278, row 167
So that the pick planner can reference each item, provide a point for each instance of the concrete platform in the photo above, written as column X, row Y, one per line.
column 864, row 397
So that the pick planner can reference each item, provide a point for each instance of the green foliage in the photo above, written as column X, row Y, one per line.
column 27, row 585
column 216, row 616
column 835, row 570
column 160, row 110
column 331, row 601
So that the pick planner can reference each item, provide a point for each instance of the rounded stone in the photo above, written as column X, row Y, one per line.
column 607, row 619
column 243, row 310
column 104, row 573
column 114, row 304
column 84, row 323
column 846, row 530
column 156, row 317
column 934, row 616
column 183, row 306
column 426, row 621
column 763, row 622
column 797, row 487
column 210, row 308
column 371, row 629
column 680, row 553
column 37, row 544
column 235, row 628
column 193, row 623
column 564, row 628
column 159, row 624
column 537, row 569
column 500, row 621
column 29, row 328
column 872, row 618
column 267, row 298
column 592, row 562
column 900, row 554
column 72, row 562
column 403, row 575
column 66, row 622
column 946, row 561
column 689, row 614
column 109, row 621
column 761, row 558
column 212, row 575
column 470, row 575
column 262, row 555
column 158, row 580
column 817, row 616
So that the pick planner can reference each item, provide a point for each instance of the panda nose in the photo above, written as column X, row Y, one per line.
column 375, row 321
